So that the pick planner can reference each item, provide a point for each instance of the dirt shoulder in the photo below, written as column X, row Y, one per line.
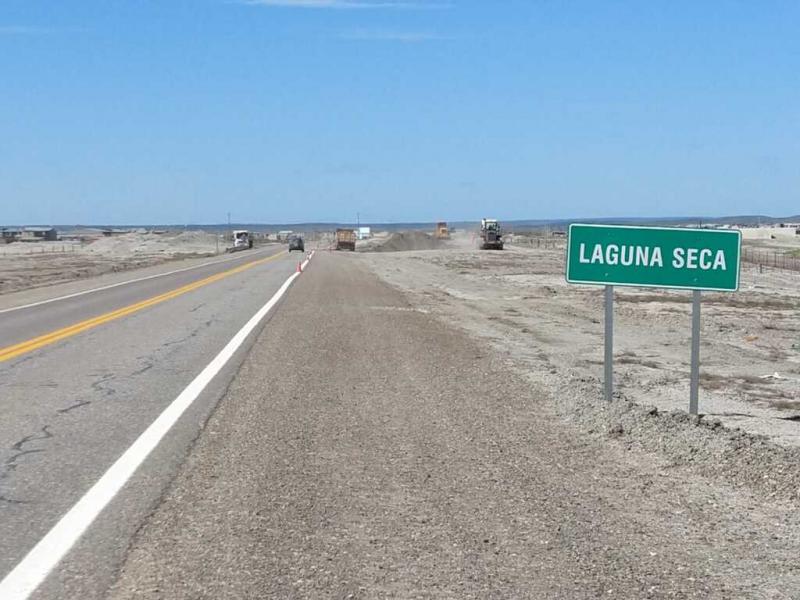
column 26, row 266
column 385, row 454
column 551, row 333
column 76, row 286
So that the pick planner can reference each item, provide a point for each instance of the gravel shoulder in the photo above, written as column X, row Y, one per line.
column 518, row 301
column 370, row 449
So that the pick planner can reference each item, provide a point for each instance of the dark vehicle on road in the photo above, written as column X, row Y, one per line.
column 296, row 243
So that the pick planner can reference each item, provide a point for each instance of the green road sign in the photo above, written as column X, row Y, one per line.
column 667, row 257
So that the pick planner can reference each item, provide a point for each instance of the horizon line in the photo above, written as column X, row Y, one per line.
column 560, row 220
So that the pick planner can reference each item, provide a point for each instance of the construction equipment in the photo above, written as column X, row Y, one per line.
column 442, row 233
column 345, row 239
column 491, row 236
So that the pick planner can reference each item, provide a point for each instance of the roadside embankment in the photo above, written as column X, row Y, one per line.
column 32, row 265
column 551, row 333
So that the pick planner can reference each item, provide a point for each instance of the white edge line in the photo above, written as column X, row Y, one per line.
column 26, row 577
column 121, row 283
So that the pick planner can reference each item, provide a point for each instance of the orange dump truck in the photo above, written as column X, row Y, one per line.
column 345, row 239
column 442, row 232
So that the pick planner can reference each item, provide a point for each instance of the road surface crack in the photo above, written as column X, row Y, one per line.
column 63, row 411
column 13, row 501
column 148, row 365
column 44, row 435
column 101, row 387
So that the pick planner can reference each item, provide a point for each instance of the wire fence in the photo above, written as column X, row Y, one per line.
column 773, row 259
column 538, row 242
column 28, row 248
column 759, row 257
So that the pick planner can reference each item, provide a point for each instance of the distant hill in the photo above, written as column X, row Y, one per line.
column 742, row 220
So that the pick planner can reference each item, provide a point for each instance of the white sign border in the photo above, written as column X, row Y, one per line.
column 653, row 285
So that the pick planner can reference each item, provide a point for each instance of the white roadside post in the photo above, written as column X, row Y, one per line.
column 608, row 362
column 656, row 257
column 694, row 379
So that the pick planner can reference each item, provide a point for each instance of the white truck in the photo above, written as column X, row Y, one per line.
column 242, row 240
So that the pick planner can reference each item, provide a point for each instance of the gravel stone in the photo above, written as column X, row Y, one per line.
column 369, row 450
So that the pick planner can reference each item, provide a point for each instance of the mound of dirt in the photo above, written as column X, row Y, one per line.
column 168, row 244
column 400, row 242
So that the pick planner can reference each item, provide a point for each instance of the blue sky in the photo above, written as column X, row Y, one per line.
column 288, row 111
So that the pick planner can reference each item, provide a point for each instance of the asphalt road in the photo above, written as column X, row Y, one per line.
column 70, row 408
column 384, row 454
column 357, row 448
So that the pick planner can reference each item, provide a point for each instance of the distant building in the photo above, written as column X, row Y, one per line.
column 363, row 233
column 284, row 235
column 29, row 234
column 11, row 234
column 39, row 234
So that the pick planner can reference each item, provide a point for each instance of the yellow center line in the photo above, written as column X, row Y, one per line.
column 15, row 350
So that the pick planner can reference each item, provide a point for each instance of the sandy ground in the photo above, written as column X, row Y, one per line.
column 32, row 265
column 518, row 301
column 778, row 235
column 400, row 241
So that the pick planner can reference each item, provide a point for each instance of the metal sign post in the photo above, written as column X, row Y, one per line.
column 609, row 354
column 694, row 379
column 660, row 257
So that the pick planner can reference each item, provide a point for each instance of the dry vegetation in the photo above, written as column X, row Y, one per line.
column 518, row 300
column 31, row 265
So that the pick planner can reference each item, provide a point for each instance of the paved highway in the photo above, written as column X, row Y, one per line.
column 84, row 376
column 356, row 447
column 385, row 454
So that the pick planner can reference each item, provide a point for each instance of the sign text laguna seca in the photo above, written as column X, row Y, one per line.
column 669, row 257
